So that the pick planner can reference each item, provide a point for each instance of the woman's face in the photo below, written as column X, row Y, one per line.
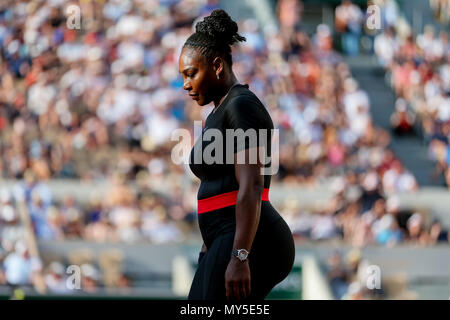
column 199, row 78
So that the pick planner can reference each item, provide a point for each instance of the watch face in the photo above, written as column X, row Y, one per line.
column 242, row 255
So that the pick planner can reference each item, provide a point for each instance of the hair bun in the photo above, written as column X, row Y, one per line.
column 220, row 27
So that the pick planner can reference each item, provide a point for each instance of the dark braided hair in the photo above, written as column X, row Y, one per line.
column 214, row 36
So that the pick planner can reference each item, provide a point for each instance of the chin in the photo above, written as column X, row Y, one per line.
column 202, row 103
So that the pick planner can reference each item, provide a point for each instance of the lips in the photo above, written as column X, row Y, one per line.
column 194, row 96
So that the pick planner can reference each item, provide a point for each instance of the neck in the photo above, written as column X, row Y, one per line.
column 230, row 81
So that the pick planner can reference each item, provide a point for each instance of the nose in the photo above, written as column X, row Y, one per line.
column 187, row 85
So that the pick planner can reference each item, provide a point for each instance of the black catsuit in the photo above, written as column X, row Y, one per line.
column 272, row 254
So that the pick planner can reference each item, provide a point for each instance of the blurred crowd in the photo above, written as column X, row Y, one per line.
column 418, row 69
column 361, row 214
column 355, row 26
column 441, row 9
column 347, row 276
column 353, row 277
column 121, row 215
column 21, row 270
column 97, row 102
column 365, row 208
column 100, row 102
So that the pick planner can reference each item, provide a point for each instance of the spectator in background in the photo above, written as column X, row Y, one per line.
column 356, row 104
column 55, row 279
column 89, row 278
column 438, row 234
column 416, row 230
column 387, row 231
column 101, row 230
column 2, row 277
column 441, row 9
column 11, row 229
column 337, row 275
column 402, row 120
column 384, row 46
column 371, row 191
column 323, row 226
column 209, row 7
column 158, row 228
column 100, row 103
column 348, row 23
column 419, row 74
column 389, row 12
column 356, row 267
column 289, row 15
column 20, row 267
column 38, row 213
column 32, row 186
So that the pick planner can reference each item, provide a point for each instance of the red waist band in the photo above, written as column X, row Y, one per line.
column 224, row 200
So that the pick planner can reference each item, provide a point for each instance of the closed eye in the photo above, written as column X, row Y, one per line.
column 190, row 72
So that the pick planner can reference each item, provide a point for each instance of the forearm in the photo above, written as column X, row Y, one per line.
column 248, row 210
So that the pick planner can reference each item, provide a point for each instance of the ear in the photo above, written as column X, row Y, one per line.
column 218, row 65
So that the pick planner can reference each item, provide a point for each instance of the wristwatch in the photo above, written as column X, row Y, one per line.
column 241, row 254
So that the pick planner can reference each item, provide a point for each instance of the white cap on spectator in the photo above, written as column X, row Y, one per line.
column 5, row 195
column 52, row 213
column 338, row 185
column 7, row 244
column 393, row 204
column 323, row 30
column 129, row 25
column 354, row 288
column 352, row 193
column 350, row 85
column 94, row 54
column 20, row 247
column 56, row 267
column 386, row 222
column 56, row 3
column 415, row 219
column 400, row 105
column 156, row 166
column 7, row 213
column 89, row 271
column 371, row 181
column 72, row 214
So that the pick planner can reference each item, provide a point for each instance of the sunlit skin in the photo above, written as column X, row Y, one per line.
column 200, row 80
column 200, row 77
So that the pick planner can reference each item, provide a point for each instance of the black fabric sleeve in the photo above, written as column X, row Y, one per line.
column 250, row 121
column 200, row 256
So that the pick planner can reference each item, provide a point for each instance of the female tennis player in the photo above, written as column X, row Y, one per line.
column 248, row 247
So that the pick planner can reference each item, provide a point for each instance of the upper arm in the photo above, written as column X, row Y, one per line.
column 248, row 175
column 250, row 142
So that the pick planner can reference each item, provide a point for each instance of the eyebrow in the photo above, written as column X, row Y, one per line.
column 187, row 69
